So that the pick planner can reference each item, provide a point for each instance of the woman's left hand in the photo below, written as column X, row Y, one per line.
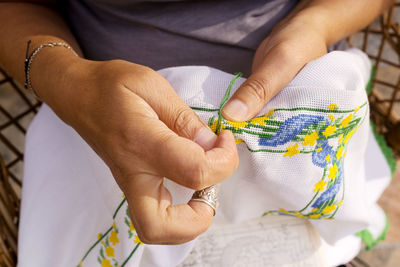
column 291, row 45
column 301, row 37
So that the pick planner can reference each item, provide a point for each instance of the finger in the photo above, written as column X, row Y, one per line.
column 276, row 70
column 173, row 111
column 187, row 164
column 159, row 151
column 157, row 221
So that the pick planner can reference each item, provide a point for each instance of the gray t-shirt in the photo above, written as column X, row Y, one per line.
column 220, row 33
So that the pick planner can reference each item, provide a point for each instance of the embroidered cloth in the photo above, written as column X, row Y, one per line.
column 308, row 154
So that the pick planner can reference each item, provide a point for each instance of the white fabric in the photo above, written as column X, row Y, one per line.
column 69, row 195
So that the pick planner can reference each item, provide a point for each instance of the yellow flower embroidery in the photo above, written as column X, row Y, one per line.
column 99, row 235
column 310, row 139
column 357, row 109
column 213, row 126
column 340, row 138
column 114, row 225
column 319, row 186
column 332, row 171
column 340, row 203
column 344, row 154
column 332, row 106
column 348, row 136
column 237, row 124
column 299, row 215
column 80, row 264
column 238, row 141
column 106, row 263
column 131, row 227
column 346, row 120
column 314, row 216
column 327, row 158
column 114, row 238
column 137, row 240
column 339, row 153
column 283, row 211
column 319, row 149
column 331, row 117
column 329, row 130
column 292, row 150
column 329, row 209
column 102, row 242
column 260, row 120
column 109, row 251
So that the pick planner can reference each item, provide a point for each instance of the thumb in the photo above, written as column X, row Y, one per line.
column 185, row 122
column 178, row 116
column 276, row 69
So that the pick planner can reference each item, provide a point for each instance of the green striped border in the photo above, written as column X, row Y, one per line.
column 365, row 235
column 386, row 150
column 368, row 239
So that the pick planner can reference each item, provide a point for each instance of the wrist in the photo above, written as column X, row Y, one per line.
column 49, row 71
column 313, row 18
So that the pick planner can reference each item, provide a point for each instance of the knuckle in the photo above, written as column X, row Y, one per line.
column 259, row 88
column 144, row 71
column 147, row 237
column 182, row 122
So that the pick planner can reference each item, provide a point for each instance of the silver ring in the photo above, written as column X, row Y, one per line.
column 208, row 195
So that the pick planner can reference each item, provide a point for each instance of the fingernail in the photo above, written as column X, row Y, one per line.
column 205, row 138
column 236, row 110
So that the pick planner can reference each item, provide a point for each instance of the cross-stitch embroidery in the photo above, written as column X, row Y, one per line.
column 325, row 136
column 108, row 241
column 321, row 133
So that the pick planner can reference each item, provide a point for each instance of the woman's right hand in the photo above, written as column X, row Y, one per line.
column 131, row 116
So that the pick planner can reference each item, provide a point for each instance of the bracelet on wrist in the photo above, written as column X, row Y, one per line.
column 29, row 59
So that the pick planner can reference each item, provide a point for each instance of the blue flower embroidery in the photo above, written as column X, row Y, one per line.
column 319, row 156
column 332, row 191
column 290, row 128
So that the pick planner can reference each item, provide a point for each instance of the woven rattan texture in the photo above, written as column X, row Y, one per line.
column 381, row 41
column 16, row 111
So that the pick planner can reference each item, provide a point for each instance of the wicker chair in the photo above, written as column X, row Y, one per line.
column 381, row 41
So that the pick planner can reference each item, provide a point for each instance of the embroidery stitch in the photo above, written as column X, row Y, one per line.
column 305, row 134
column 314, row 133
column 108, row 241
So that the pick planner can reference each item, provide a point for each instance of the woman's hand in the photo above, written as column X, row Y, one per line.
column 131, row 116
column 301, row 37
column 290, row 46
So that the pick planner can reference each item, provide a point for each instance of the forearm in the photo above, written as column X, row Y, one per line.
column 339, row 18
column 21, row 22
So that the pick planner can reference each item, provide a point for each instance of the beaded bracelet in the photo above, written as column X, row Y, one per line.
column 29, row 60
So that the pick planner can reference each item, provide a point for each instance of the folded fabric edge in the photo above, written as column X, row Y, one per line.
column 368, row 239
column 365, row 235
column 380, row 139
